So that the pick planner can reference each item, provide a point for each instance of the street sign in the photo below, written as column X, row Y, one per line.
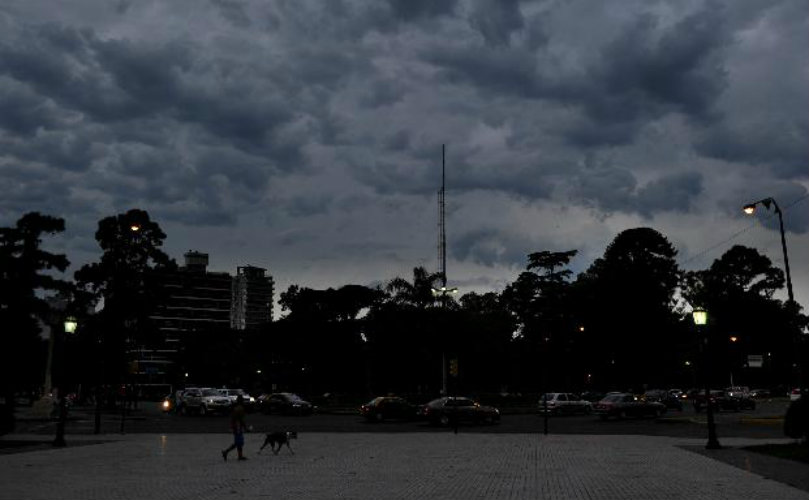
column 755, row 360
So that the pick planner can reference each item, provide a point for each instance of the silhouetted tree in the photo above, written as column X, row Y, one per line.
column 327, row 338
column 626, row 300
column 544, row 337
column 23, row 267
column 484, row 332
column 737, row 291
column 126, row 279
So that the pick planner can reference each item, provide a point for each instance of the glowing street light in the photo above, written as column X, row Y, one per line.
column 750, row 209
column 700, row 317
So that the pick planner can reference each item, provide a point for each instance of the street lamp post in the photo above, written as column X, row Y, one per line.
column 69, row 325
column 750, row 209
column 700, row 317
column 442, row 293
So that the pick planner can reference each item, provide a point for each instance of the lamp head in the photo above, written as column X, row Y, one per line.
column 70, row 324
column 749, row 209
column 700, row 316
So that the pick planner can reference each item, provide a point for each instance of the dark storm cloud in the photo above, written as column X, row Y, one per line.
column 315, row 114
column 23, row 112
column 383, row 93
column 612, row 189
column 497, row 20
column 492, row 246
column 645, row 72
column 409, row 10
column 671, row 193
column 779, row 144
column 304, row 206
column 233, row 11
column 682, row 71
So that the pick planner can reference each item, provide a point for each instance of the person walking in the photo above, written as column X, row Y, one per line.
column 238, row 426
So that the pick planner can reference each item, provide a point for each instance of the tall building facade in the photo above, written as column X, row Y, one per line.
column 252, row 297
column 193, row 299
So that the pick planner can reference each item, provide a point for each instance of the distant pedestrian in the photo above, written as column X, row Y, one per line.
column 238, row 426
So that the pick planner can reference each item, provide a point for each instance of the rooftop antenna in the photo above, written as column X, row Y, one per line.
column 442, row 237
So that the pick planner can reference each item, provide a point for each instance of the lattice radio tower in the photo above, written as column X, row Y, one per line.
column 442, row 236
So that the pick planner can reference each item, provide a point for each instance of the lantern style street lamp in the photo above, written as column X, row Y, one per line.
column 443, row 292
column 700, row 317
column 69, row 325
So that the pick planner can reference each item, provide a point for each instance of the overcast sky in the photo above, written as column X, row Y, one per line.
column 305, row 136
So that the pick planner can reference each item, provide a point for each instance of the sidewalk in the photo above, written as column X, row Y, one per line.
column 384, row 466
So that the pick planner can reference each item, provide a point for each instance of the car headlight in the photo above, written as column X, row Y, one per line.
column 296, row 405
column 252, row 399
column 166, row 405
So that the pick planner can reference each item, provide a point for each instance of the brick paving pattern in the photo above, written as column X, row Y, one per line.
column 384, row 466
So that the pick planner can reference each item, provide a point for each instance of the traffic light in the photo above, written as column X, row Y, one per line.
column 453, row 367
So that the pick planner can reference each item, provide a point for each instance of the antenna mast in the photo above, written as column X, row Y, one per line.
column 442, row 237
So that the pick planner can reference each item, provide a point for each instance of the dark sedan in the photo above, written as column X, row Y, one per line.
column 623, row 405
column 388, row 408
column 721, row 401
column 285, row 403
column 447, row 410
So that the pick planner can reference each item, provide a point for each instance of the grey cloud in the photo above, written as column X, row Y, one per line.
column 674, row 192
column 779, row 142
column 409, row 10
column 383, row 93
column 493, row 247
column 308, row 205
column 606, row 188
column 23, row 112
column 643, row 74
column 233, row 11
column 613, row 189
column 399, row 141
column 497, row 20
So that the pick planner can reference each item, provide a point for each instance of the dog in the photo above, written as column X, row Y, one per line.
column 278, row 439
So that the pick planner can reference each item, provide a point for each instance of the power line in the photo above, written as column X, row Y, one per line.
column 742, row 231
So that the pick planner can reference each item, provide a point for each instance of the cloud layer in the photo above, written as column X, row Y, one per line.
column 306, row 136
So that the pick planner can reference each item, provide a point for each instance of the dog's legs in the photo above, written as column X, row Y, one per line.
column 276, row 450
column 290, row 448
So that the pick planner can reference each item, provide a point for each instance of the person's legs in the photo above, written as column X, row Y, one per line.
column 238, row 442
column 231, row 448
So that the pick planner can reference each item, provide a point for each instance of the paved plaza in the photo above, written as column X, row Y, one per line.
column 384, row 466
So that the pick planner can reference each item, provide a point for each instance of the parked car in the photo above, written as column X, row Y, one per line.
column 677, row 393
column 443, row 411
column 722, row 401
column 759, row 393
column 386, row 408
column 558, row 403
column 671, row 401
column 248, row 400
column 204, row 401
column 624, row 404
column 285, row 403
column 168, row 404
column 592, row 397
column 795, row 394
column 738, row 392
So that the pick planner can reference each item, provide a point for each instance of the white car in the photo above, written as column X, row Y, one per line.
column 563, row 402
column 232, row 394
column 204, row 401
